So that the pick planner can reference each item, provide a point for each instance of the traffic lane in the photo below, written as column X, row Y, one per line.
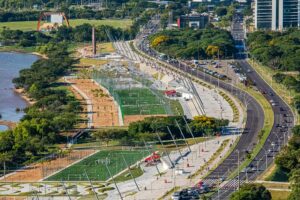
column 281, row 108
column 253, row 120
column 247, row 140
column 254, row 116
column 275, row 134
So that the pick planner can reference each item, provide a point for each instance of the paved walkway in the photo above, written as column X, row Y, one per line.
column 154, row 187
column 214, row 104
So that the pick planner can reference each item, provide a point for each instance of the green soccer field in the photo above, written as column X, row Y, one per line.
column 94, row 167
column 32, row 25
column 140, row 101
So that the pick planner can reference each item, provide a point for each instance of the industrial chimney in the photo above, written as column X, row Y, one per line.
column 94, row 41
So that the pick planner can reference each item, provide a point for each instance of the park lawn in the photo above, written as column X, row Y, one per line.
column 90, row 61
column 140, row 101
column 93, row 167
column 32, row 25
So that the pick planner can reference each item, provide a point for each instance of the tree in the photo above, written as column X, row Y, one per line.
column 212, row 50
column 107, row 135
column 5, row 157
column 221, row 11
column 158, row 40
column 251, row 192
column 295, row 184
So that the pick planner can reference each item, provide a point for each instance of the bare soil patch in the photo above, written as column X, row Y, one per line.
column 39, row 171
column 134, row 118
column 105, row 111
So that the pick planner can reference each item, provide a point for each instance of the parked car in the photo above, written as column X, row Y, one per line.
column 176, row 196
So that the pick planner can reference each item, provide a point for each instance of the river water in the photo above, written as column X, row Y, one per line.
column 10, row 65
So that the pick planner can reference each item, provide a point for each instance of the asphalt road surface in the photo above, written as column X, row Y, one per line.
column 283, row 122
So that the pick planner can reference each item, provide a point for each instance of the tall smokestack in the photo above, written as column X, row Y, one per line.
column 94, row 41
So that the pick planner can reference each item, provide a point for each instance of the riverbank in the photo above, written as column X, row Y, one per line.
column 8, row 124
column 13, row 101
column 24, row 95
column 25, row 50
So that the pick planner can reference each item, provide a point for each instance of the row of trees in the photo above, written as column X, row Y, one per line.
column 50, row 4
column 54, row 111
column 278, row 50
column 187, row 44
column 82, row 33
column 115, row 9
column 251, row 192
column 289, row 81
column 147, row 129
column 288, row 161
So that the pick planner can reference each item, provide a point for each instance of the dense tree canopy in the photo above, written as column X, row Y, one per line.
column 20, row 10
column 251, row 192
column 200, row 126
column 55, row 110
column 289, row 160
column 81, row 33
column 195, row 44
column 147, row 129
column 278, row 50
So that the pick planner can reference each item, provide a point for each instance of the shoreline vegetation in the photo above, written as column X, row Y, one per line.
column 50, row 110
column 24, row 95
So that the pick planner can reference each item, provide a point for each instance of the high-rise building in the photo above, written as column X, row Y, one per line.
column 277, row 14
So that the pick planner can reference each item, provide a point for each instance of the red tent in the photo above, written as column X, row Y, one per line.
column 153, row 157
column 170, row 92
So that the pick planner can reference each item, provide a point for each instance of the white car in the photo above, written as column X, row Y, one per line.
column 175, row 196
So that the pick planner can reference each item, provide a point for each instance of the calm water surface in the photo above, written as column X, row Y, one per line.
column 10, row 65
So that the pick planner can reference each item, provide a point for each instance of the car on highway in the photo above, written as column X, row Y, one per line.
column 190, row 193
column 176, row 196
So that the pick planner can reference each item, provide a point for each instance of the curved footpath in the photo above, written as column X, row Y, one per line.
column 254, row 123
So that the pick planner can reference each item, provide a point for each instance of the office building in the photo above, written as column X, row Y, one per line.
column 277, row 14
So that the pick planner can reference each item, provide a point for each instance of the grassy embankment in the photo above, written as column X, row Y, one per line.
column 287, row 95
column 32, row 25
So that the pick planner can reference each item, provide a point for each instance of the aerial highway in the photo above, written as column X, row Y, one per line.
column 283, row 117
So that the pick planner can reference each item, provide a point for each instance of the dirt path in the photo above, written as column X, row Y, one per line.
column 104, row 109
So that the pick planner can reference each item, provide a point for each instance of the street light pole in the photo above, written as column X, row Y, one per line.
column 238, row 169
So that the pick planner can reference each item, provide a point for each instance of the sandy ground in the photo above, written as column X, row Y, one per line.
column 37, row 172
column 105, row 111
column 83, row 115
column 23, row 95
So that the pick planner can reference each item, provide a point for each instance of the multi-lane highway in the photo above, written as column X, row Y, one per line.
column 283, row 119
